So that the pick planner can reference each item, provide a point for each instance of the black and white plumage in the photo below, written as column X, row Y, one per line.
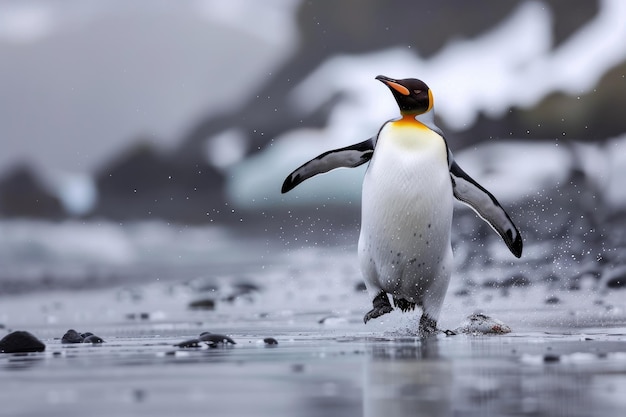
column 348, row 157
column 404, row 245
column 464, row 187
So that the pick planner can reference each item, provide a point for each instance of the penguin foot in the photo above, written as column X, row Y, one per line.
column 428, row 325
column 403, row 305
column 381, row 307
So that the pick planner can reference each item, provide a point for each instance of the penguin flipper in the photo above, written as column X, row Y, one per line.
column 348, row 157
column 486, row 206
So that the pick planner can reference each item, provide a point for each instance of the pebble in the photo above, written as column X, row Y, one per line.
column 553, row 300
column 213, row 340
column 72, row 336
column 92, row 338
column 270, row 341
column 550, row 358
column 21, row 342
column 203, row 304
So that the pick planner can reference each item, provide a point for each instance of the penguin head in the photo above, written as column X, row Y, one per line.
column 412, row 95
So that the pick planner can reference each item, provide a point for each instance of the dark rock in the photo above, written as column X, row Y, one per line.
column 551, row 358
column 616, row 282
column 360, row 287
column 214, row 340
column 516, row 281
column 138, row 316
column 21, row 342
column 553, row 300
column 92, row 338
column 72, row 336
column 270, row 341
column 204, row 304
column 247, row 287
column 463, row 292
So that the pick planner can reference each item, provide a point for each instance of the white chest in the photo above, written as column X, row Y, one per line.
column 407, row 189
column 409, row 164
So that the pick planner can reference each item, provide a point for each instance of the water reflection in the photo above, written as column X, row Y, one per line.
column 440, row 377
column 405, row 377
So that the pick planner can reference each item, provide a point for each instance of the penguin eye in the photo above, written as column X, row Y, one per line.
column 417, row 91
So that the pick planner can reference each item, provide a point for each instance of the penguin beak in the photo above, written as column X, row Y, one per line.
column 394, row 84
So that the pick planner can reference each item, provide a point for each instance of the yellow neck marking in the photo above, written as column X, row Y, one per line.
column 409, row 120
column 409, row 133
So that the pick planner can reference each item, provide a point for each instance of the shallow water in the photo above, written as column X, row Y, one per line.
column 311, row 374
column 564, row 358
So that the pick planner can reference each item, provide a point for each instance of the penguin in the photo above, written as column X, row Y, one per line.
column 404, row 246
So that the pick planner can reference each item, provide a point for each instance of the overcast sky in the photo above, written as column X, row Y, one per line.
column 80, row 79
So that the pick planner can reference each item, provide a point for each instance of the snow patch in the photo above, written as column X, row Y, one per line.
column 226, row 148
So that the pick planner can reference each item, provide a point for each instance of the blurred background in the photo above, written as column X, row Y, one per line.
column 117, row 114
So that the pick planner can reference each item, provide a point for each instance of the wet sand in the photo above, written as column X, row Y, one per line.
column 563, row 359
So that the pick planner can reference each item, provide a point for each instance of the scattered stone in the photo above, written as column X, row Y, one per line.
column 516, row 281
column 214, row 340
column 616, row 282
column 614, row 277
column 270, row 341
column 21, row 342
column 482, row 324
column 72, row 336
column 553, row 299
column 203, row 304
column 92, row 338
column 360, row 287
column 247, row 287
column 138, row 316
column 551, row 358
column 463, row 292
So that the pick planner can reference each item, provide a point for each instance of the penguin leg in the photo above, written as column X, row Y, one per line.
column 381, row 306
column 427, row 325
column 403, row 304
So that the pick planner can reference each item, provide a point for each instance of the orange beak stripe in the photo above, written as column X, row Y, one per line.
column 398, row 87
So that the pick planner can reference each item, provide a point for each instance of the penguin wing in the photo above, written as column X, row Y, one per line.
column 348, row 157
column 486, row 206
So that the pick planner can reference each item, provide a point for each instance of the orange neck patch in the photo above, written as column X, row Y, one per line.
column 408, row 119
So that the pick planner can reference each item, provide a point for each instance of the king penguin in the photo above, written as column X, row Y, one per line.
column 404, row 246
